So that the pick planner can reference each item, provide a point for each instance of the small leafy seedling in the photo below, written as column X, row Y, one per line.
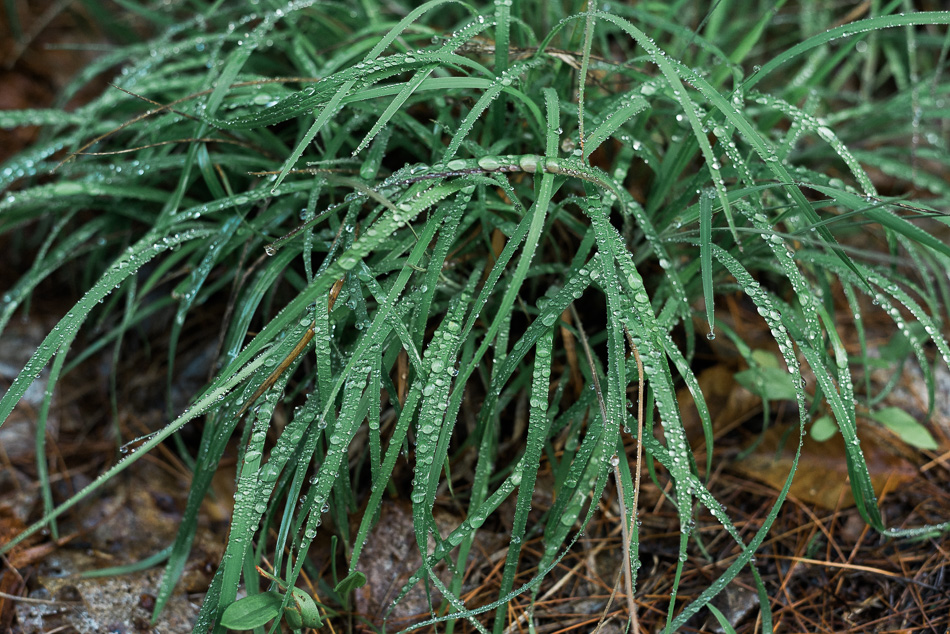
column 256, row 610
column 823, row 428
column 351, row 582
column 905, row 426
column 767, row 379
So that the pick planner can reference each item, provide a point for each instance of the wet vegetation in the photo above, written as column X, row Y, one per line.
column 476, row 257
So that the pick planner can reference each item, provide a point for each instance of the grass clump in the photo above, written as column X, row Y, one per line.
column 417, row 216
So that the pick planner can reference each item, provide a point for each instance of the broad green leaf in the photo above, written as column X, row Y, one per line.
column 905, row 426
column 253, row 611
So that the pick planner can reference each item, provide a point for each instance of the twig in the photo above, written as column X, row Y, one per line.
column 625, row 531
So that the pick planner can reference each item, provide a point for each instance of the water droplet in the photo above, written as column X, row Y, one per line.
column 489, row 163
column 529, row 163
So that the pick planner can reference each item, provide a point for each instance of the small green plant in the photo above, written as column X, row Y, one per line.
column 416, row 208
column 256, row 610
